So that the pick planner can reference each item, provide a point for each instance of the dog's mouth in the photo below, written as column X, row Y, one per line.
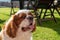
column 30, row 27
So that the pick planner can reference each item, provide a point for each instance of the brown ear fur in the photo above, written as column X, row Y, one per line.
column 12, row 27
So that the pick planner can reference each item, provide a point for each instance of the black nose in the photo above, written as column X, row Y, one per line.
column 30, row 18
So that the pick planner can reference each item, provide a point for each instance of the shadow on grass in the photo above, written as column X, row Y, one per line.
column 52, row 25
column 2, row 21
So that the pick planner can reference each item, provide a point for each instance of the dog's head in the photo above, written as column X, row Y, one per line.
column 22, row 20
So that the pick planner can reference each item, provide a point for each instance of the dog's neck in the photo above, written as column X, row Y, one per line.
column 20, row 35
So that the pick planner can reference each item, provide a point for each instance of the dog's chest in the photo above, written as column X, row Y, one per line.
column 23, row 35
column 19, row 36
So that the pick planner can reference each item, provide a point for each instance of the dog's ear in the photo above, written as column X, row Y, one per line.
column 12, row 27
column 13, row 24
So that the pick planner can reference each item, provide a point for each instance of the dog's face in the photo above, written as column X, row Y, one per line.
column 23, row 20
column 27, row 23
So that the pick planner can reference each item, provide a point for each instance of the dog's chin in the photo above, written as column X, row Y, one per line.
column 30, row 28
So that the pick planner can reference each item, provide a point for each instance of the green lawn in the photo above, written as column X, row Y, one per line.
column 49, row 30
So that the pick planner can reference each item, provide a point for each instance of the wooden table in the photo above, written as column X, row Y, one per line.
column 34, row 7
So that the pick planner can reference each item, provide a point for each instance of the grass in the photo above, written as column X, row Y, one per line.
column 49, row 30
column 4, row 15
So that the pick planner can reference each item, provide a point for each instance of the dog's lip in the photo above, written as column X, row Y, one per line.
column 30, row 27
column 31, row 23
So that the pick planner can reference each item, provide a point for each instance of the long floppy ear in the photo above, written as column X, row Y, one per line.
column 12, row 27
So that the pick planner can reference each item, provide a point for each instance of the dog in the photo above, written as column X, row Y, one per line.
column 19, row 27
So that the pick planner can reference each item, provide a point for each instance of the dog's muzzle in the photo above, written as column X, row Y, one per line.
column 31, row 26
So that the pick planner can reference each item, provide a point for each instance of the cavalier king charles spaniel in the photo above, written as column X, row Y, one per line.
column 19, row 27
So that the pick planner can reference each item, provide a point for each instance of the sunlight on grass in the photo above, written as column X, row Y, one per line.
column 43, row 33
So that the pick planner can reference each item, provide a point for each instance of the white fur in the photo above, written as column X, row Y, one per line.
column 20, row 35
column 24, row 11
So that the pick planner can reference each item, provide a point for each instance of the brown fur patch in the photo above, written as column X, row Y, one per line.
column 11, row 29
column 0, row 37
column 14, row 25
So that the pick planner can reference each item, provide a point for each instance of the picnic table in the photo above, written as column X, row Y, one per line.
column 42, row 4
